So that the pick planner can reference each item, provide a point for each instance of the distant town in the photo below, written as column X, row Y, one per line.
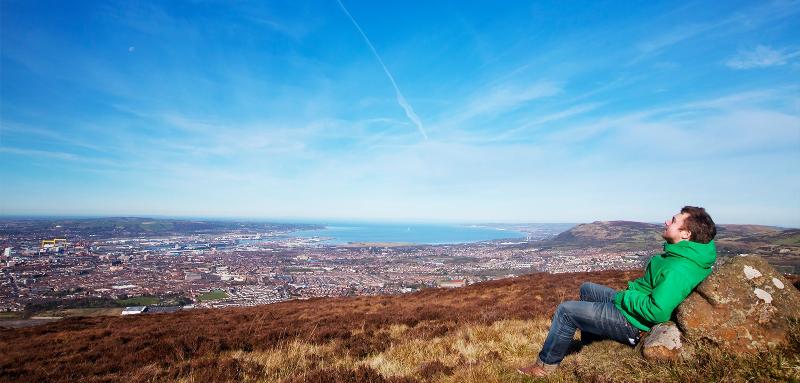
column 245, row 265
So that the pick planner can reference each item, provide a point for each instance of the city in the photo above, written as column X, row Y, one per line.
column 247, row 268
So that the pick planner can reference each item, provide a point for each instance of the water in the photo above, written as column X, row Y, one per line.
column 410, row 233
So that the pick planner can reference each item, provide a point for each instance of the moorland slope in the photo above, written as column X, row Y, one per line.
column 479, row 333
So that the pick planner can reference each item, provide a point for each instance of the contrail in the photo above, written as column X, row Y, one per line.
column 400, row 99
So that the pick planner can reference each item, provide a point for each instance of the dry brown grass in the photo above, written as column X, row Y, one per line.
column 481, row 333
column 492, row 352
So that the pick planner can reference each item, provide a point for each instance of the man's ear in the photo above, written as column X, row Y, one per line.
column 686, row 234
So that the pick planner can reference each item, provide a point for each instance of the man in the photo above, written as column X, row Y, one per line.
column 689, row 253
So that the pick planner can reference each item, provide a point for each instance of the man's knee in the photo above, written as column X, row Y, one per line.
column 586, row 288
column 565, row 310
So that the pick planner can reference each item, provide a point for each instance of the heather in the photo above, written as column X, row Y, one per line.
column 480, row 333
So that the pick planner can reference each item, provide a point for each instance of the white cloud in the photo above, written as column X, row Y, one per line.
column 59, row 157
column 732, row 125
column 40, row 153
column 674, row 36
column 750, row 18
column 560, row 115
column 760, row 57
column 498, row 99
column 507, row 97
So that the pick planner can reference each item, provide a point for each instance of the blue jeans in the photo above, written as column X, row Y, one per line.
column 594, row 314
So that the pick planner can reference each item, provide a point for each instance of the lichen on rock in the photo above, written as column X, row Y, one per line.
column 750, row 272
column 763, row 295
column 742, row 307
column 663, row 343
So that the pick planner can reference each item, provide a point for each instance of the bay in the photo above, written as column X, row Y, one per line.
column 418, row 234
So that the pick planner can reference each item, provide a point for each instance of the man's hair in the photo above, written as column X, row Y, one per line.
column 699, row 223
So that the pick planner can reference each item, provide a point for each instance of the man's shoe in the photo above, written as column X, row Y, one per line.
column 537, row 369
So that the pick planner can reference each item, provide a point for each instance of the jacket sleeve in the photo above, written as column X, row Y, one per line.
column 639, row 284
column 657, row 307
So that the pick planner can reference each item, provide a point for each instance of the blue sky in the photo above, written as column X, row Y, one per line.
column 406, row 111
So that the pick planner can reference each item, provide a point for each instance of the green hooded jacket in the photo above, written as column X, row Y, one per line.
column 667, row 281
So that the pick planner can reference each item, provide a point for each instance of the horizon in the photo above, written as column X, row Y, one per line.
column 401, row 112
column 350, row 220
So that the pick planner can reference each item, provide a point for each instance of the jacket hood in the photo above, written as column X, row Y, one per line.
column 702, row 254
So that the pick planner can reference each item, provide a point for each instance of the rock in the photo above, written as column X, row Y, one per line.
column 663, row 343
column 745, row 306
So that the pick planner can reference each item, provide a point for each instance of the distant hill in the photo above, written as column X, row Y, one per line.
column 732, row 231
column 781, row 247
column 620, row 233
column 606, row 233
column 133, row 226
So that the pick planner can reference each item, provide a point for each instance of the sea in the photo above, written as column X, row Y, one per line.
column 429, row 234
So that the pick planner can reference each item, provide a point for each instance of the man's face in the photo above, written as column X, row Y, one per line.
column 673, row 229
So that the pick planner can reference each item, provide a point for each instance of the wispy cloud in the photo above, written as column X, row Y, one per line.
column 727, row 125
column 48, row 135
column 750, row 18
column 40, row 153
column 495, row 101
column 509, row 96
column 556, row 116
column 761, row 56
column 400, row 98
column 86, row 163
column 674, row 36
column 295, row 31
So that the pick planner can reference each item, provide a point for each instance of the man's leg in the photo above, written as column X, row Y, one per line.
column 600, row 318
column 592, row 292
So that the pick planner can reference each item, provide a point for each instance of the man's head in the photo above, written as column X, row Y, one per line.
column 691, row 224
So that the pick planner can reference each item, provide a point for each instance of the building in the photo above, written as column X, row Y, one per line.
column 453, row 283
column 163, row 309
column 192, row 276
column 134, row 310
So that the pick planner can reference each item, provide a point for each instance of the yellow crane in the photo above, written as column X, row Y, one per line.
column 53, row 241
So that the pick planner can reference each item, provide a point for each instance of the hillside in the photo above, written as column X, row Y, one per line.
column 199, row 343
column 621, row 233
column 618, row 234
column 781, row 247
column 477, row 334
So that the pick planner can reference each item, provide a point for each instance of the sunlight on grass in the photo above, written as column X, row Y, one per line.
column 492, row 353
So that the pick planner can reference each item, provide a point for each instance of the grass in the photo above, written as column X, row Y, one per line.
column 480, row 333
column 83, row 312
column 792, row 240
column 138, row 301
column 491, row 353
column 212, row 296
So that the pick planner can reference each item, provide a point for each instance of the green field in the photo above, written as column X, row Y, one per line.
column 212, row 296
column 83, row 312
column 138, row 301
column 792, row 240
